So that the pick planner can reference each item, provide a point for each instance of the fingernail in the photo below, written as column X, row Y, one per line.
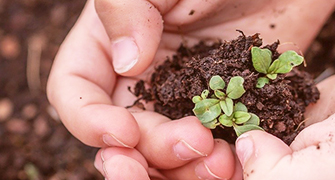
column 184, row 151
column 105, row 171
column 111, row 140
column 244, row 148
column 125, row 54
column 203, row 172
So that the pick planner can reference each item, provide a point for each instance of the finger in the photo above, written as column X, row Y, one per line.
column 107, row 154
column 134, row 30
column 80, row 85
column 259, row 152
column 168, row 144
column 220, row 164
column 324, row 106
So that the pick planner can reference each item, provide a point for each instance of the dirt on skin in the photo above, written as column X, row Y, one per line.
column 280, row 105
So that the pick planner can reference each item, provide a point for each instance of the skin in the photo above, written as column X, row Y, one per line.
column 115, row 43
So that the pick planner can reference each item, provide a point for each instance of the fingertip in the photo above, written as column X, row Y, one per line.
column 123, row 167
column 107, row 158
column 134, row 30
column 220, row 164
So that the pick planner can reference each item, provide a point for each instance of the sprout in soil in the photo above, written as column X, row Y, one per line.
column 219, row 109
column 262, row 58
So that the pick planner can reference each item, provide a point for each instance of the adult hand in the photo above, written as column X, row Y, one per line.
column 310, row 156
column 125, row 39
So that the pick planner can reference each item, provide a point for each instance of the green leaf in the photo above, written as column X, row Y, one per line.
column 285, row 62
column 261, row 59
column 292, row 57
column 196, row 99
column 272, row 76
column 240, row 107
column 245, row 128
column 219, row 94
column 204, row 94
column 262, row 81
column 216, row 82
column 226, row 120
column 207, row 110
column 241, row 117
column 227, row 106
column 211, row 124
column 235, row 87
column 254, row 119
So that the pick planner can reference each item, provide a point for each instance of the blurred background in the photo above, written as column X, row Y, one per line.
column 33, row 142
column 34, row 145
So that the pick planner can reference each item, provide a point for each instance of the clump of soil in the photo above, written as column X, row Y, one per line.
column 280, row 105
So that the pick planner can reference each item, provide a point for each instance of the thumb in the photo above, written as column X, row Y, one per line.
column 135, row 30
column 259, row 152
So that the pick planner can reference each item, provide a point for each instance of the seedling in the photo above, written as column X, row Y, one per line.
column 262, row 62
column 220, row 109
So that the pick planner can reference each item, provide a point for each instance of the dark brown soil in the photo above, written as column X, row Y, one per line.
column 280, row 105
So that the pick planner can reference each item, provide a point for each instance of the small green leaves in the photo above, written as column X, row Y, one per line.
column 235, row 87
column 262, row 58
column 220, row 109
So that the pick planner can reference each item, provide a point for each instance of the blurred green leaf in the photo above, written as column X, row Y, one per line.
column 240, row 107
column 245, row 128
column 204, row 94
column 254, row 119
column 216, row 82
column 196, row 99
column 227, row 106
column 262, row 81
column 219, row 94
column 226, row 120
column 235, row 87
column 207, row 110
column 261, row 59
column 241, row 117
column 211, row 124
column 285, row 62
